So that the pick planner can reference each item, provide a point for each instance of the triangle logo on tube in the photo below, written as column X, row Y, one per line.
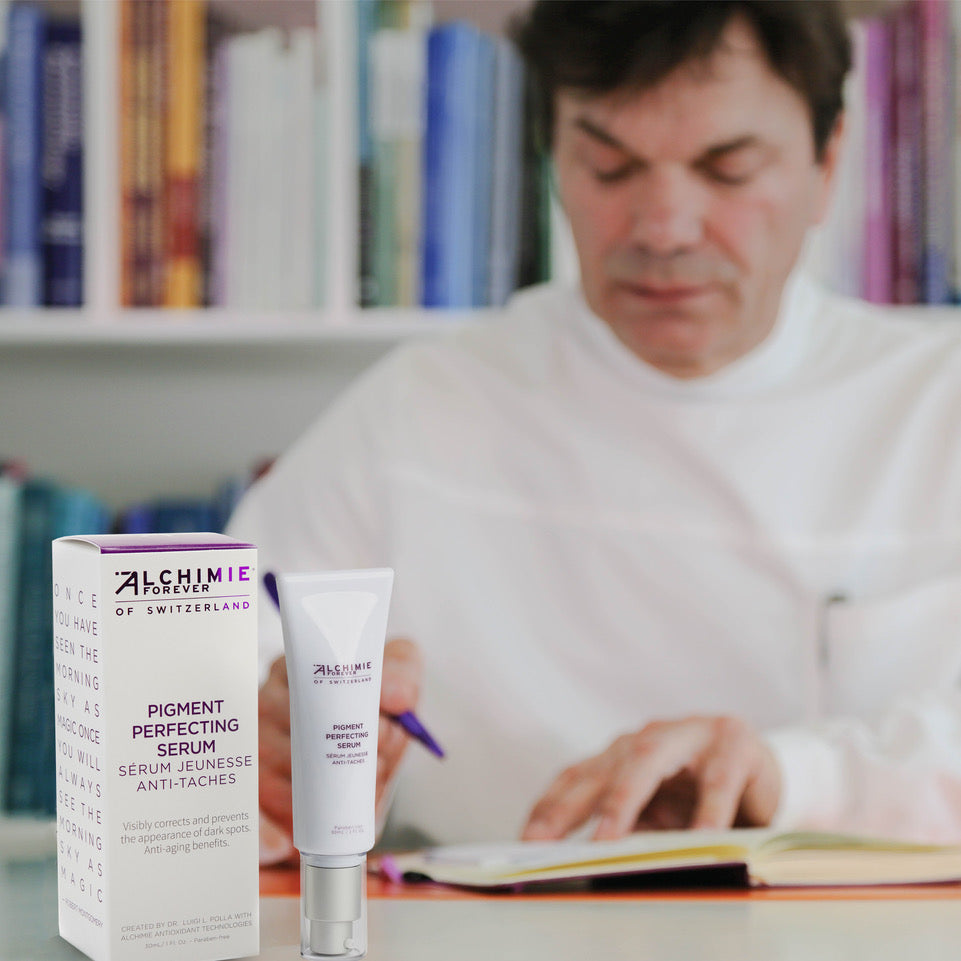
column 341, row 617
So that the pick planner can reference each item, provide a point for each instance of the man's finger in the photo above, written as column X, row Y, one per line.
column 273, row 699
column 653, row 755
column 400, row 687
column 722, row 775
column 276, row 798
column 568, row 802
column 274, row 746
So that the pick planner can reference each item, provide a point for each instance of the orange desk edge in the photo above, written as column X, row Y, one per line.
column 285, row 882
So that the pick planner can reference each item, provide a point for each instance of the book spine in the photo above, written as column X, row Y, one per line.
column 477, row 237
column 10, row 495
column 937, row 253
column 906, row 162
column 457, row 166
column 877, row 279
column 506, row 173
column 156, row 134
column 141, row 201
column 299, row 176
column 33, row 643
column 184, row 148
column 397, row 94
column 461, row 136
column 220, row 173
column 23, row 269
column 533, row 254
column 436, row 168
column 63, row 167
column 367, row 18
column 127, row 105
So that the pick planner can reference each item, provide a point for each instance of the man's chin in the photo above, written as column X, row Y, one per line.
column 680, row 347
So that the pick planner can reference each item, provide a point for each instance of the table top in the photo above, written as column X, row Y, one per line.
column 430, row 924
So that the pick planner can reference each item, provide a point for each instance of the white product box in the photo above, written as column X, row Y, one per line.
column 155, row 675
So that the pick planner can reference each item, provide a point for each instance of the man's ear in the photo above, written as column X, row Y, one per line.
column 828, row 168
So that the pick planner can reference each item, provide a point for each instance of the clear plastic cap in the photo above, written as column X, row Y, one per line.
column 333, row 902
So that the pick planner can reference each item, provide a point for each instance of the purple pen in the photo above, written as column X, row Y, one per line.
column 408, row 720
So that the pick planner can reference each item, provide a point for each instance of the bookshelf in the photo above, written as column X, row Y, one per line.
column 92, row 395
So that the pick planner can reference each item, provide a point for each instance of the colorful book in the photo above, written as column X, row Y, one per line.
column 533, row 256
column 62, row 166
column 507, row 171
column 936, row 91
column 143, row 27
column 186, row 49
column 367, row 19
column 10, row 492
column 906, row 165
column 4, row 24
column 253, row 226
column 48, row 511
column 33, row 639
column 456, row 219
column 218, row 256
column 876, row 282
column 23, row 267
column 397, row 123
column 126, row 149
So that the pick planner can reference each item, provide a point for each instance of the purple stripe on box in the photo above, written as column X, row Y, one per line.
column 149, row 543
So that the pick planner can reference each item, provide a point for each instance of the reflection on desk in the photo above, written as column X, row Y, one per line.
column 429, row 925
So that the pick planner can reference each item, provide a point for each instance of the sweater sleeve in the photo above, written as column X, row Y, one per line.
column 899, row 776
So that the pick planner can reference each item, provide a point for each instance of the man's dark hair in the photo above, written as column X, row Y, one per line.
column 596, row 47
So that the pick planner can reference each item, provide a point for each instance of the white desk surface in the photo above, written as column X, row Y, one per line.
column 506, row 927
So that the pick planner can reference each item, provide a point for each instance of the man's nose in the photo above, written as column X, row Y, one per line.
column 668, row 212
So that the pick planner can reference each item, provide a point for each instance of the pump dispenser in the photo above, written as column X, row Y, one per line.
column 333, row 901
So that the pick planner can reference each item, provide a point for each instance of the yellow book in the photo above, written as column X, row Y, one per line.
column 186, row 20
column 768, row 859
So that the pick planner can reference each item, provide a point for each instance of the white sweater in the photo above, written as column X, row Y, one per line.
column 583, row 544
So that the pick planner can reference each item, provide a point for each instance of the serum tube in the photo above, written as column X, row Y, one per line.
column 334, row 624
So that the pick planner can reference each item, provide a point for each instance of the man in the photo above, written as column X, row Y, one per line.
column 689, row 534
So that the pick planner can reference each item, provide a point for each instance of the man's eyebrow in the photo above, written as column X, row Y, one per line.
column 586, row 125
column 747, row 141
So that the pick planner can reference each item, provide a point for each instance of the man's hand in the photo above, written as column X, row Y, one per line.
column 400, row 689
column 399, row 692
column 699, row 772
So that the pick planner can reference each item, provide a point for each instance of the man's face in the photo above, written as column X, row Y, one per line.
column 689, row 203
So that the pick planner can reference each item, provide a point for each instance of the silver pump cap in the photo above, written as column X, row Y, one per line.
column 332, row 903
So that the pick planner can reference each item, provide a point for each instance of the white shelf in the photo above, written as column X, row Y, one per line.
column 68, row 329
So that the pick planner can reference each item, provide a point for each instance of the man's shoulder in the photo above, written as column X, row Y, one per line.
column 514, row 338
column 919, row 335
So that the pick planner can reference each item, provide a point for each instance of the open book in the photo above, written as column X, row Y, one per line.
column 768, row 858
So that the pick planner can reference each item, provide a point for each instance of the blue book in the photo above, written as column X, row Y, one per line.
column 33, row 639
column 63, row 167
column 457, row 160
column 23, row 268
column 10, row 490
column 472, row 247
column 48, row 511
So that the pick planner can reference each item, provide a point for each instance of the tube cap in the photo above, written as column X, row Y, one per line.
column 334, row 919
